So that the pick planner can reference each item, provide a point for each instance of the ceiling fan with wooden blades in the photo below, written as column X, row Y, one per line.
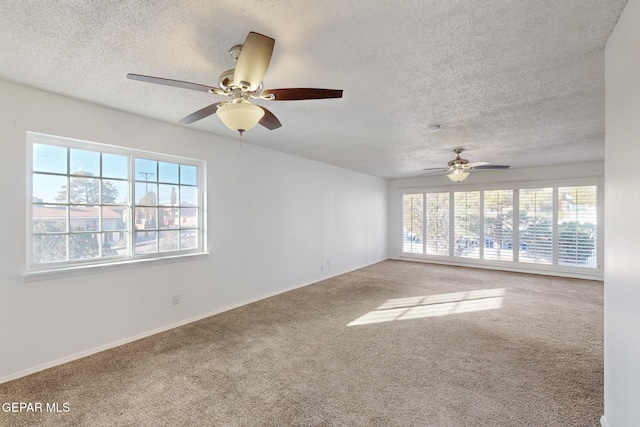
column 243, row 84
column 458, row 168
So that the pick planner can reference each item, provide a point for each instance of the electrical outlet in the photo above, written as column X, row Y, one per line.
column 176, row 299
column 321, row 268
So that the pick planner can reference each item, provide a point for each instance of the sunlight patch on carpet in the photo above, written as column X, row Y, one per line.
column 433, row 305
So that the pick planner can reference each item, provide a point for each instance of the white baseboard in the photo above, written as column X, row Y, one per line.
column 94, row 350
column 503, row 266
column 603, row 422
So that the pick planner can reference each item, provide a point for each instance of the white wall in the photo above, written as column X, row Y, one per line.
column 622, row 205
column 275, row 221
column 590, row 173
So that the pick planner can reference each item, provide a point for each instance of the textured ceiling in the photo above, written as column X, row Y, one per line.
column 517, row 82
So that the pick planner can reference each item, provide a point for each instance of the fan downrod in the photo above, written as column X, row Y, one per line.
column 458, row 163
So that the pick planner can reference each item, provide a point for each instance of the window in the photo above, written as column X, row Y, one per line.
column 426, row 217
column 93, row 204
column 165, row 206
column 413, row 222
column 467, row 224
column 437, row 219
column 577, row 226
column 498, row 225
column 536, row 225
column 554, row 226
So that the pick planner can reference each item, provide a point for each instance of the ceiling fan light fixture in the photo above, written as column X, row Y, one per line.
column 242, row 83
column 458, row 175
column 240, row 116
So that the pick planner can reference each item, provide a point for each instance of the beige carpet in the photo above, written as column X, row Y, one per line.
column 393, row 344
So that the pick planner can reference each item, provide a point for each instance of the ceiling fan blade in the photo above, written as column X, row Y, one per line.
column 436, row 169
column 176, row 83
column 476, row 164
column 253, row 60
column 201, row 114
column 491, row 167
column 433, row 171
column 301, row 93
column 269, row 120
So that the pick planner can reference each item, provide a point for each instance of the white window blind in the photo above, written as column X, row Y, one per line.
column 437, row 223
column 577, row 226
column 467, row 224
column 498, row 225
column 413, row 217
column 536, row 225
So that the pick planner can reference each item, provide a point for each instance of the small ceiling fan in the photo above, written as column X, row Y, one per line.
column 242, row 84
column 459, row 168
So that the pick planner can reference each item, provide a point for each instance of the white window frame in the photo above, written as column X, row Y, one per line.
column 516, row 265
column 40, row 271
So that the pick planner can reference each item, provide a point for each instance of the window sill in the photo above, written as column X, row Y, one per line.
column 70, row 271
